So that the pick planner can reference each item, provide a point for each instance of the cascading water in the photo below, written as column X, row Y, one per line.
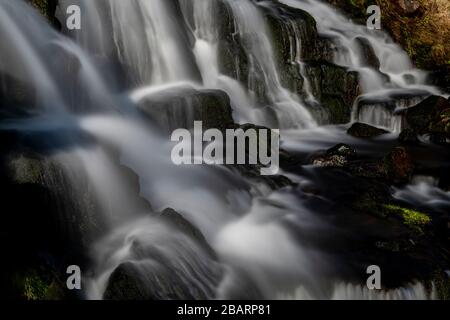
column 394, row 77
column 265, row 241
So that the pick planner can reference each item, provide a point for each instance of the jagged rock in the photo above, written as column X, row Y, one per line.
column 337, row 156
column 179, row 108
column 363, row 130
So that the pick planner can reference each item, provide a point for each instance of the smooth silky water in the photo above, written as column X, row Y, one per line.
column 262, row 237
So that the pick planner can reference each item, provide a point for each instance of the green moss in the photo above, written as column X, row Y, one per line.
column 34, row 288
column 413, row 219
column 39, row 284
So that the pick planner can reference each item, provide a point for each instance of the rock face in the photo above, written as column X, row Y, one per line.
column 286, row 26
column 336, row 88
column 363, row 130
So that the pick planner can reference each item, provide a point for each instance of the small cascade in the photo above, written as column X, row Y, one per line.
column 263, row 77
column 148, row 40
column 394, row 74
column 344, row 291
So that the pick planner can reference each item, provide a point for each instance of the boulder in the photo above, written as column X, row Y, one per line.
column 363, row 130
column 180, row 107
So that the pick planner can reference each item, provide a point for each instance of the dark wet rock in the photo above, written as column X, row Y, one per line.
column 431, row 116
column 287, row 25
column 370, row 58
column 396, row 167
column 408, row 136
column 363, row 130
column 180, row 107
column 336, row 88
column 180, row 223
column 337, row 156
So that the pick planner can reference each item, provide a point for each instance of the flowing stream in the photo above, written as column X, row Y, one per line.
column 167, row 46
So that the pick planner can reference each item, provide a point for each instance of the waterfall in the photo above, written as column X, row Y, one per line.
column 395, row 76
column 24, row 56
column 233, row 236
column 258, row 46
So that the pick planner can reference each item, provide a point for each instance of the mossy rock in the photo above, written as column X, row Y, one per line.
column 414, row 219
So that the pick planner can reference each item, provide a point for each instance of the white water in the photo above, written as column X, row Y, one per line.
column 394, row 62
column 424, row 192
column 244, row 222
